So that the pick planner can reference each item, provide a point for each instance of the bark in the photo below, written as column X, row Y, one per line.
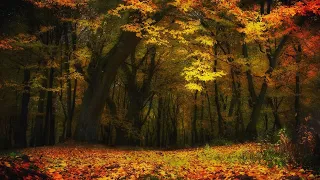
column 298, row 90
column 139, row 95
column 210, row 116
column 50, row 119
column 297, row 106
column 159, row 119
column 102, row 72
column 194, row 119
column 216, row 97
column 251, row 89
column 99, row 87
column 69, row 85
column 266, row 121
column 21, row 130
column 201, row 133
column 269, row 4
column 275, row 106
column 174, row 119
column 38, row 134
column 251, row 130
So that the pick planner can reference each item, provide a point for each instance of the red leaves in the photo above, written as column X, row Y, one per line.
column 80, row 162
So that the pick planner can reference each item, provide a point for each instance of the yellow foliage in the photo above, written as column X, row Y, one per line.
column 206, row 40
column 254, row 31
column 145, row 7
column 199, row 71
column 184, row 5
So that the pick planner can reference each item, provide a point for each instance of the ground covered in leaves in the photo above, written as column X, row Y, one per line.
column 74, row 161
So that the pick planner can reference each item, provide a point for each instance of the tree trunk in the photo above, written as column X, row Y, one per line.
column 210, row 116
column 159, row 119
column 50, row 120
column 194, row 120
column 251, row 131
column 216, row 97
column 69, row 88
column 21, row 131
column 297, row 106
column 102, row 76
column 201, row 133
column 38, row 134
column 275, row 107
column 298, row 90
column 99, row 87
column 251, row 89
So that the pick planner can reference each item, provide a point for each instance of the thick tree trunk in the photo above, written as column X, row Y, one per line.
column 67, row 70
column 237, row 94
column 139, row 94
column 21, row 130
column 251, row 89
column 251, row 131
column 99, row 86
column 103, row 74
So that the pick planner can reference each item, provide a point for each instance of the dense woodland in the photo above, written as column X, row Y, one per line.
column 159, row 73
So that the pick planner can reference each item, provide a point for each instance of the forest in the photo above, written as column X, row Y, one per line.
column 159, row 89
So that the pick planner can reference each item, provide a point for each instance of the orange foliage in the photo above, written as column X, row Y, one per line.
column 98, row 162
column 64, row 3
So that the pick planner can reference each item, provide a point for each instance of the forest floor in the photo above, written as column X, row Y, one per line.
column 74, row 161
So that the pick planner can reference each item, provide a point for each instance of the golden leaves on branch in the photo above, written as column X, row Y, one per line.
column 144, row 7
column 185, row 5
column 63, row 3
column 201, row 70
column 17, row 42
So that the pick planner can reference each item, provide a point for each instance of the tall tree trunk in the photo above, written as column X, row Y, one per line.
column 251, row 89
column 139, row 95
column 210, row 116
column 266, row 121
column 216, row 97
column 50, row 119
column 298, row 89
column 251, row 130
column 21, row 131
column 237, row 94
column 174, row 119
column 69, row 85
column 102, row 76
column 99, row 87
column 194, row 119
column 38, row 134
column 159, row 119
column 201, row 133
column 297, row 106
